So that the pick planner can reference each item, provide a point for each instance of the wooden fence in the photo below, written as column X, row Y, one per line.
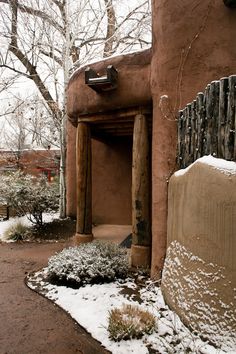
column 207, row 125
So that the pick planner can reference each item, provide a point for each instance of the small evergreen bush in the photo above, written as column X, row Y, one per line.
column 17, row 232
column 89, row 263
column 29, row 195
column 130, row 322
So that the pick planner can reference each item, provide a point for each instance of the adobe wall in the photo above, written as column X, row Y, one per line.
column 133, row 91
column 199, row 276
column 30, row 161
column 192, row 45
column 133, row 85
column 111, row 181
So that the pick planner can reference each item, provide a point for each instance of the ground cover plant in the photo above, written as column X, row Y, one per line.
column 88, row 263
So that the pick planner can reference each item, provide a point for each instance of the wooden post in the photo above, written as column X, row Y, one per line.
column 141, row 235
column 84, row 185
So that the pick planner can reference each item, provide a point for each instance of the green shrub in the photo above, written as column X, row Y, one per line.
column 17, row 232
column 130, row 322
column 29, row 195
column 89, row 263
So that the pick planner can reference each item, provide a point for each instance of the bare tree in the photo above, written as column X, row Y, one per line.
column 41, row 41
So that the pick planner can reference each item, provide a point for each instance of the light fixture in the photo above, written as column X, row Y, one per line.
column 104, row 83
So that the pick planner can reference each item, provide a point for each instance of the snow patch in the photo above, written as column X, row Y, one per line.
column 195, row 289
column 4, row 225
column 224, row 166
column 90, row 306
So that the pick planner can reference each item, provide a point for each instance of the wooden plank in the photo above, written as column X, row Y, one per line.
column 230, row 121
column 113, row 115
column 200, row 113
column 207, row 124
column 184, row 137
column 223, row 107
column 188, row 135
column 141, row 234
column 215, row 87
column 193, row 131
column 180, row 143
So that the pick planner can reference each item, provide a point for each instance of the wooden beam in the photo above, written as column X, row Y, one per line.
column 141, row 235
column 84, row 184
column 114, row 115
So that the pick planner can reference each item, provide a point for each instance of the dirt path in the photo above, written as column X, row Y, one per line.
column 29, row 323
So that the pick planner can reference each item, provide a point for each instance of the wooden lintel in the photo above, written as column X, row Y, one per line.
column 114, row 115
column 116, row 125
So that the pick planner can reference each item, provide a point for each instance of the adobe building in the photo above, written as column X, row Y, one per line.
column 36, row 162
column 136, row 116
column 122, row 136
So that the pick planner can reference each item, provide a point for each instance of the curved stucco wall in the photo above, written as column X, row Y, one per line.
column 133, row 86
column 199, row 276
column 192, row 45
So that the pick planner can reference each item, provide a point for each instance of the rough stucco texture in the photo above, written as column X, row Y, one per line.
column 133, row 86
column 192, row 45
column 199, row 277
column 111, row 181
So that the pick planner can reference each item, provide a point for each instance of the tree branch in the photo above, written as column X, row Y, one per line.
column 37, row 13
column 33, row 74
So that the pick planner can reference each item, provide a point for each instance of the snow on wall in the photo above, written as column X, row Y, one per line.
column 199, row 278
column 202, row 294
column 224, row 166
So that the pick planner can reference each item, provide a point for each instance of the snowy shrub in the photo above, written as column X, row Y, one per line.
column 17, row 232
column 130, row 322
column 89, row 263
column 29, row 195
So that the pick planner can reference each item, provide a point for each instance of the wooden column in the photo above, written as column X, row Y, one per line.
column 141, row 235
column 84, row 184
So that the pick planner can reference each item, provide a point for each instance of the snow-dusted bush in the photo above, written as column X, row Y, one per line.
column 29, row 195
column 89, row 263
column 17, row 232
column 129, row 322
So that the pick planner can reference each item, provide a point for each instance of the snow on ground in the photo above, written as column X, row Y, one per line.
column 4, row 225
column 90, row 306
column 226, row 167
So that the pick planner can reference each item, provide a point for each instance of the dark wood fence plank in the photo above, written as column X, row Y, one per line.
column 207, row 125
column 223, row 106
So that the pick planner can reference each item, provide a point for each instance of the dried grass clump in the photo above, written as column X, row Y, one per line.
column 17, row 232
column 130, row 322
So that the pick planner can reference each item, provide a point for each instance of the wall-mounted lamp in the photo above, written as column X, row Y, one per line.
column 230, row 3
column 101, row 83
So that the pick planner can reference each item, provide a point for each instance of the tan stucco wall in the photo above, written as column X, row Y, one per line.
column 199, row 276
column 111, row 181
column 133, row 85
column 192, row 45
